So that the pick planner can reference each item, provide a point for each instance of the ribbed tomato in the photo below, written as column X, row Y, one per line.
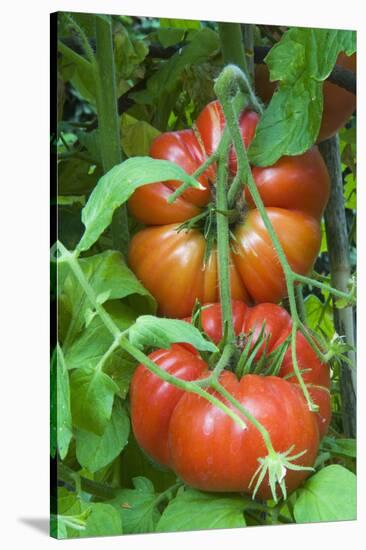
column 172, row 264
column 184, row 432
column 212, row 453
column 153, row 400
column 338, row 104
column 189, row 149
column 278, row 325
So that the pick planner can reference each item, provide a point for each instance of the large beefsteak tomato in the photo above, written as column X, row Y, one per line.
column 171, row 264
column 200, row 442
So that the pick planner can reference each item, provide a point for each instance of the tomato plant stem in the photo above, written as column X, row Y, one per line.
column 223, row 246
column 89, row 486
column 84, row 41
column 335, row 291
column 73, row 262
column 227, row 353
column 248, row 36
column 224, row 89
column 232, row 45
column 108, row 123
column 168, row 494
column 300, row 303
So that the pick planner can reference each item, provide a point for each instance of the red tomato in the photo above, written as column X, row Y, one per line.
column 148, row 203
column 172, row 265
column 210, row 126
column 203, row 445
column 153, row 400
column 278, row 324
column 189, row 150
column 338, row 104
column 209, row 451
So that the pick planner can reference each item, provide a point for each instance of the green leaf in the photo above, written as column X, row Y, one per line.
column 347, row 144
column 93, row 451
column 350, row 192
column 91, row 142
column 134, row 463
column 89, row 348
column 341, row 303
column 70, row 228
column 170, row 36
column 78, row 70
column 76, row 176
column 104, row 520
column 301, row 61
column 84, row 519
column 161, row 333
column 137, row 136
column 316, row 311
column 92, row 395
column 192, row 510
column 71, row 526
column 179, row 23
column 61, row 421
column 138, row 507
column 339, row 447
column 110, row 278
column 116, row 187
column 67, row 502
column 71, row 516
column 128, row 53
column 329, row 495
column 205, row 43
column 86, row 22
column 324, row 243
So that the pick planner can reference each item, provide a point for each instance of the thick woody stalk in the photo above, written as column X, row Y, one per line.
column 338, row 250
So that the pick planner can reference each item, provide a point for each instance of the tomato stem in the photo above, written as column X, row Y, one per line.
column 108, row 123
column 314, row 282
column 224, row 89
column 223, row 242
column 300, row 303
column 88, row 50
column 89, row 486
column 232, row 46
column 226, row 355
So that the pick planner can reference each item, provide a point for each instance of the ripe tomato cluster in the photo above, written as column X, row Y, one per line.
column 205, row 447
column 172, row 264
column 182, row 430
